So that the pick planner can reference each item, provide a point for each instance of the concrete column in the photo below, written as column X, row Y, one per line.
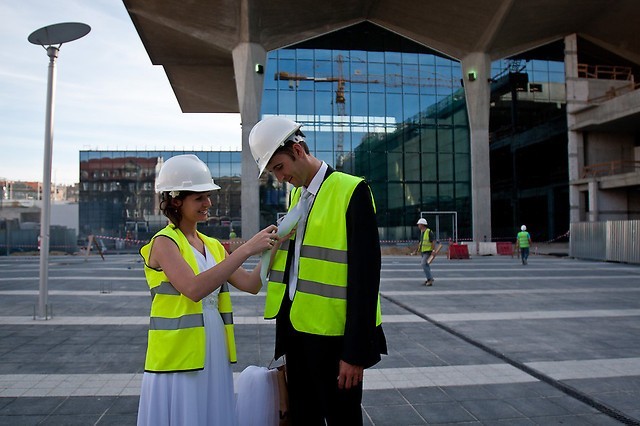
column 594, row 210
column 477, row 93
column 249, row 85
column 575, row 148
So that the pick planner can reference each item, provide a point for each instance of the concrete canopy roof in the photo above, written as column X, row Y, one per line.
column 193, row 40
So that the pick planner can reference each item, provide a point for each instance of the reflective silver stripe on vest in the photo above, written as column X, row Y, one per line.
column 322, row 253
column 312, row 287
column 185, row 321
column 227, row 318
column 277, row 276
column 165, row 287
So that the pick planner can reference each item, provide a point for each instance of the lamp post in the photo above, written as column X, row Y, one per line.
column 48, row 37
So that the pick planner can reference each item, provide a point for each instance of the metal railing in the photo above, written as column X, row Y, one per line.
column 609, row 72
column 610, row 168
column 605, row 72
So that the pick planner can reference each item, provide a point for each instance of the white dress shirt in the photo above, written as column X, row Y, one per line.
column 313, row 189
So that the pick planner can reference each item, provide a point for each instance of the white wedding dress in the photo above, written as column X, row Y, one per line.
column 199, row 398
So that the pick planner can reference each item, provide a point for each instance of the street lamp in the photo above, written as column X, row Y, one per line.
column 47, row 37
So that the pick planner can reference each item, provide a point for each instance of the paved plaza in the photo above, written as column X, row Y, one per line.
column 492, row 342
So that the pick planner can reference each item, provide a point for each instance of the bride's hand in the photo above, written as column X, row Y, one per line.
column 263, row 240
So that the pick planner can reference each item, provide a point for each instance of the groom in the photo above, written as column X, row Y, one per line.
column 323, row 287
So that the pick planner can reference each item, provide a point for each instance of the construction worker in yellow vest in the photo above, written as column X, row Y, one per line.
column 523, row 242
column 188, row 378
column 324, row 283
column 425, row 247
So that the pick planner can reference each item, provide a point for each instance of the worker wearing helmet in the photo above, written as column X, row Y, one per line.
column 324, row 283
column 190, row 338
column 523, row 242
column 425, row 247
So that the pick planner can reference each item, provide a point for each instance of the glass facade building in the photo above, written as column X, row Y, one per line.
column 528, row 142
column 376, row 105
column 117, row 196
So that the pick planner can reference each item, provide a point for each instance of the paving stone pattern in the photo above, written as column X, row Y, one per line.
column 491, row 342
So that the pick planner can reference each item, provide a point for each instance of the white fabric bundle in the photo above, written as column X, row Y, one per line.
column 286, row 225
column 257, row 401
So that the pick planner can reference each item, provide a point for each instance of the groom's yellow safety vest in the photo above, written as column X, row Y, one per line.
column 177, row 338
column 320, row 303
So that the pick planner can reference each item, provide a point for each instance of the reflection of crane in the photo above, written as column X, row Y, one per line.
column 342, row 114
column 339, row 99
column 390, row 80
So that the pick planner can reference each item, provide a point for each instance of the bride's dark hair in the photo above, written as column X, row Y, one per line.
column 168, row 209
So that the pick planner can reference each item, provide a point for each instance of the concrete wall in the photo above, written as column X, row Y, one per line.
column 613, row 205
column 594, row 89
column 607, row 147
column 62, row 214
column 66, row 215
column 11, row 210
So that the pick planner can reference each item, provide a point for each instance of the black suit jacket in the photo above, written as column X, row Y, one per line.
column 362, row 342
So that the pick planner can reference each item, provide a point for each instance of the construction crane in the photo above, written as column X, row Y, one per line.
column 391, row 80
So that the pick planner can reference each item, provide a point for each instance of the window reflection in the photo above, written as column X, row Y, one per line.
column 393, row 112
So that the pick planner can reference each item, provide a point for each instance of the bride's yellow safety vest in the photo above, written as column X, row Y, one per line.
column 320, row 303
column 176, row 334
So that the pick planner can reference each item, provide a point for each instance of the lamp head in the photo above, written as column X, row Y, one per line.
column 59, row 33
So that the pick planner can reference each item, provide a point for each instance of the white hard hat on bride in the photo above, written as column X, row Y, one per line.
column 185, row 173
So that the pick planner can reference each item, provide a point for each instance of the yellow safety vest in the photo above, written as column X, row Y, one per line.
column 523, row 239
column 320, row 303
column 176, row 337
column 425, row 243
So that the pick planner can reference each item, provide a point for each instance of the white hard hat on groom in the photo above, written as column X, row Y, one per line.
column 268, row 135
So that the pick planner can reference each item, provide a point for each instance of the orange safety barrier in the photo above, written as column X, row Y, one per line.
column 458, row 251
column 504, row 248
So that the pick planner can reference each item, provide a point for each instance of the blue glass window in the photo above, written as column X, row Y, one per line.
column 406, row 127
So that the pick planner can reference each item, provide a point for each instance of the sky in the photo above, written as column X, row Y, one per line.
column 109, row 96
